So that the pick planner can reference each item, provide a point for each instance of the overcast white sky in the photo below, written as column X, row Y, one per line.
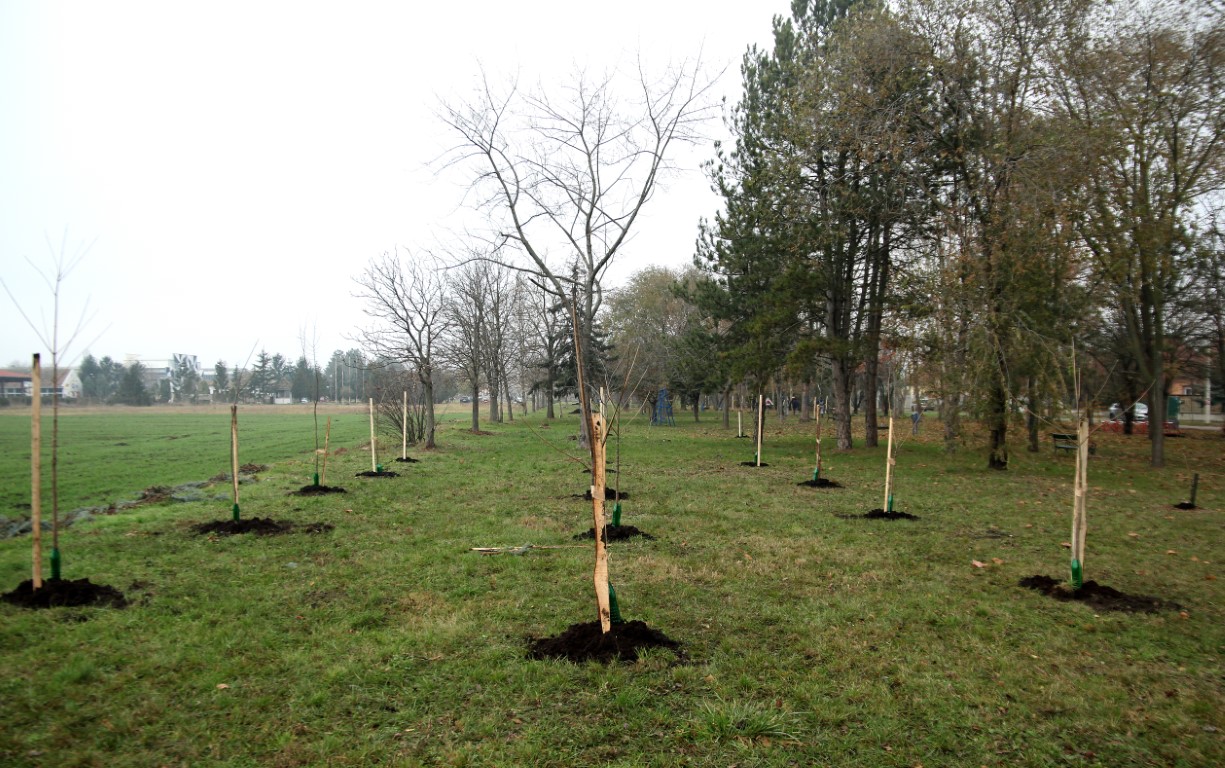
column 236, row 164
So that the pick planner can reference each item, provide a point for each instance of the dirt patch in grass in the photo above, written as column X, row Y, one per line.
column 1097, row 596
column 318, row 490
column 585, row 642
column 1185, row 505
column 371, row 473
column 821, row 482
column 880, row 514
column 64, row 592
column 406, row 460
column 260, row 526
column 615, row 533
column 753, row 464
column 251, row 469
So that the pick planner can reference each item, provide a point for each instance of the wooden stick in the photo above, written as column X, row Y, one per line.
column 761, row 421
column 1194, row 487
column 234, row 452
column 327, row 435
column 1081, row 491
column 597, row 510
column 889, row 460
column 404, row 428
column 36, row 471
column 739, row 428
column 374, row 466
column 818, row 440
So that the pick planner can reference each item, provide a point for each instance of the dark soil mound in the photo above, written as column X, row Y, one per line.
column 585, row 642
column 615, row 533
column 260, row 526
column 820, row 482
column 318, row 490
column 1097, row 596
column 406, row 460
column 1185, row 505
column 384, row 473
column 318, row 528
column 251, row 469
column 753, row 464
column 64, row 592
column 880, row 514
column 154, row 494
column 610, row 494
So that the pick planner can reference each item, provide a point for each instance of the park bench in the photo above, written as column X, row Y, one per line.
column 1063, row 441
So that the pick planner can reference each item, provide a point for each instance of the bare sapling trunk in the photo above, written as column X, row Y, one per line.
column 761, row 424
column 889, row 464
column 327, row 437
column 36, row 473
column 374, row 464
column 1080, row 492
column 234, row 457
column 816, row 473
column 598, row 485
column 404, row 428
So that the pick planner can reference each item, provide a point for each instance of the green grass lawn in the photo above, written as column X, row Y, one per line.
column 809, row 639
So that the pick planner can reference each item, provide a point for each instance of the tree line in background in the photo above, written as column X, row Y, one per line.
column 985, row 192
column 965, row 200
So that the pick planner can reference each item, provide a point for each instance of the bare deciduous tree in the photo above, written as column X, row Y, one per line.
column 406, row 298
column 569, row 171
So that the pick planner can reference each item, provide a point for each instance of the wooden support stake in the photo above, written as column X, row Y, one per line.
column 374, row 465
column 404, row 428
column 1194, row 487
column 889, row 461
column 599, row 462
column 739, row 427
column 327, row 435
column 761, row 422
column 818, row 441
column 1080, row 492
column 36, row 471
column 234, row 455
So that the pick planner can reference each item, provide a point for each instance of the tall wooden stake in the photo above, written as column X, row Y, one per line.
column 36, row 471
column 327, row 435
column 599, row 462
column 889, row 462
column 761, row 422
column 374, row 465
column 404, row 428
column 1080, row 501
column 739, row 427
column 234, row 455
column 816, row 473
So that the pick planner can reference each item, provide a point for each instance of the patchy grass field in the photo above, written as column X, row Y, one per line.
column 810, row 639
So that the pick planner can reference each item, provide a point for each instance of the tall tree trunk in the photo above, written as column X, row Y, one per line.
column 997, row 419
column 842, row 404
column 427, row 389
column 476, row 408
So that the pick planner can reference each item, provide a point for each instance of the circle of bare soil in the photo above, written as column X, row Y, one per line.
column 585, row 642
column 610, row 494
column 615, row 533
column 753, row 464
column 880, row 514
column 260, row 526
column 317, row 490
column 406, row 460
column 821, row 482
column 384, row 473
column 64, row 592
column 1185, row 505
column 1097, row 596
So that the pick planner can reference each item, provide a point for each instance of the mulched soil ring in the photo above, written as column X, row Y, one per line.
column 371, row 473
column 821, row 482
column 1185, row 505
column 585, row 642
column 260, row 526
column 1097, row 596
column 753, row 464
column 880, row 514
column 406, row 460
column 317, row 490
column 55, row 593
column 615, row 533
column 610, row 494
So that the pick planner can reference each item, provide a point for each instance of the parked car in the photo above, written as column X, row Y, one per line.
column 1139, row 411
